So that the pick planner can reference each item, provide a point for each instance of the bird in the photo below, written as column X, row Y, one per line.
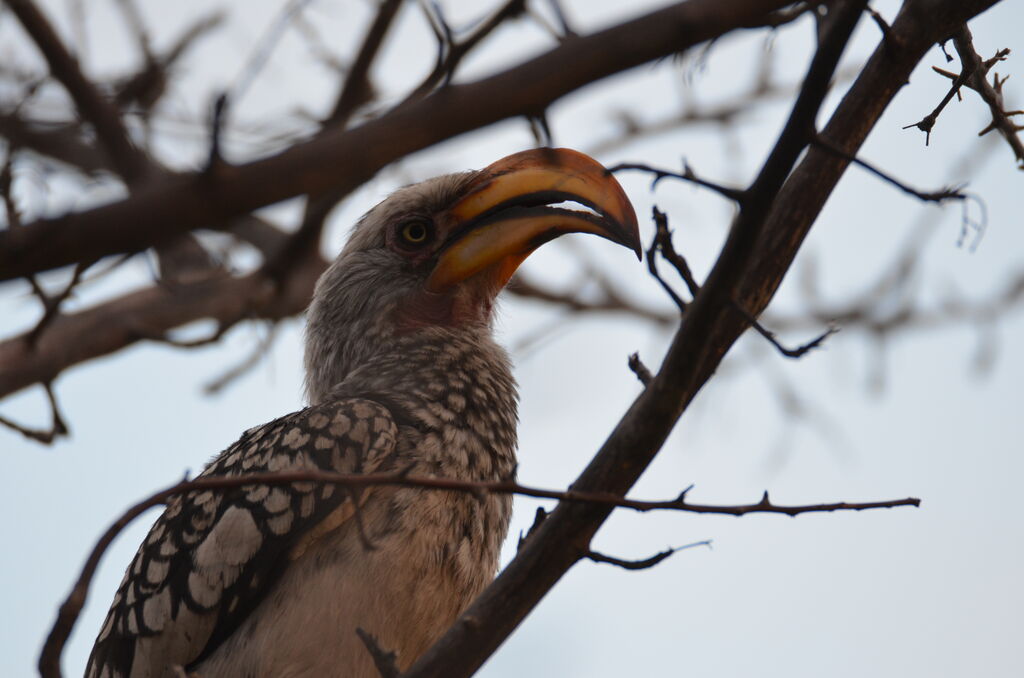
column 403, row 374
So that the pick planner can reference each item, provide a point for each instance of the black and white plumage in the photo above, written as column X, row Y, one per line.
column 402, row 373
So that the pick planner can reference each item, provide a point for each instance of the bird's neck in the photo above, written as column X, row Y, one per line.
column 445, row 375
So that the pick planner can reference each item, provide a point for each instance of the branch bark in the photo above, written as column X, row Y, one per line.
column 341, row 160
column 747, row 272
column 49, row 659
column 129, row 161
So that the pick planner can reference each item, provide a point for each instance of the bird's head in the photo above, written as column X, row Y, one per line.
column 433, row 256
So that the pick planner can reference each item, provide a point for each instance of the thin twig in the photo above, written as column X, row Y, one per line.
column 271, row 38
column 383, row 660
column 131, row 162
column 538, row 519
column 640, row 370
column 992, row 94
column 72, row 606
column 797, row 352
column 729, row 192
column 646, row 563
column 51, row 304
column 652, row 268
column 563, row 23
column 57, row 428
column 451, row 52
column 357, row 89
column 940, row 196
column 218, row 384
column 663, row 237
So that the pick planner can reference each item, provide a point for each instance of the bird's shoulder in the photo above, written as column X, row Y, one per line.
column 212, row 555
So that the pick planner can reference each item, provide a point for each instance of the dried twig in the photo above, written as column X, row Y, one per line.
column 57, row 426
column 384, row 660
column 973, row 74
column 991, row 93
column 652, row 259
column 357, row 89
column 451, row 52
column 262, row 348
column 940, row 196
column 797, row 352
column 640, row 370
column 97, row 109
column 646, row 563
column 729, row 192
column 49, row 660
column 663, row 238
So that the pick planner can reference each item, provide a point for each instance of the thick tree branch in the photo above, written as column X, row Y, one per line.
column 340, row 160
column 77, row 337
column 747, row 274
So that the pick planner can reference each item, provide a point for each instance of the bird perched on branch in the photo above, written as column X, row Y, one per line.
column 402, row 373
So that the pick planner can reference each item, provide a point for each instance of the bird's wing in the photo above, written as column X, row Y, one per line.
column 213, row 554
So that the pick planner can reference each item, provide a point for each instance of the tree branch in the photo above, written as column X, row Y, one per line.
column 341, row 160
column 746, row 274
column 110, row 326
column 992, row 95
column 98, row 110
column 644, row 564
column 357, row 89
column 383, row 660
column 49, row 660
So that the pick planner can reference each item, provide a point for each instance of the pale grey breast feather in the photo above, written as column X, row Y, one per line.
column 212, row 555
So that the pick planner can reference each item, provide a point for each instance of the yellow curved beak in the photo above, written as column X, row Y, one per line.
column 512, row 209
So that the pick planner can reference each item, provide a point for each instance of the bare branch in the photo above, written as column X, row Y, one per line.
column 663, row 238
column 341, row 160
column 652, row 257
column 640, row 370
column 269, row 41
column 646, row 563
column 451, row 52
column 218, row 384
column 60, row 142
column 722, row 115
column 940, row 196
column 992, row 94
column 383, row 660
column 150, row 313
column 783, row 204
column 57, row 426
column 358, row 90
column 797, row 352
column 49, row 660
column 51, row 304
column 609, row 301
column 563, row 23
column 98, row 110
column 733, row 194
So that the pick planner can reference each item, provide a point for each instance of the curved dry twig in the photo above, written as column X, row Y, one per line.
column 49, row 660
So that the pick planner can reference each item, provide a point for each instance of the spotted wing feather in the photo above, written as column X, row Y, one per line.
column 213, row 555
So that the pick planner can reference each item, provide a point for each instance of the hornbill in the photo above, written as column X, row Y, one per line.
column 402, row 373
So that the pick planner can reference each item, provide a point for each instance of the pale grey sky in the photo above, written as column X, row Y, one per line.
column 929, row 592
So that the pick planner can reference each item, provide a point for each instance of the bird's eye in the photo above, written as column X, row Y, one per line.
column 415, row 233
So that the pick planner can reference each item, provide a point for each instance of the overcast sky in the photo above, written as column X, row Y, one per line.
column 929, row 592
